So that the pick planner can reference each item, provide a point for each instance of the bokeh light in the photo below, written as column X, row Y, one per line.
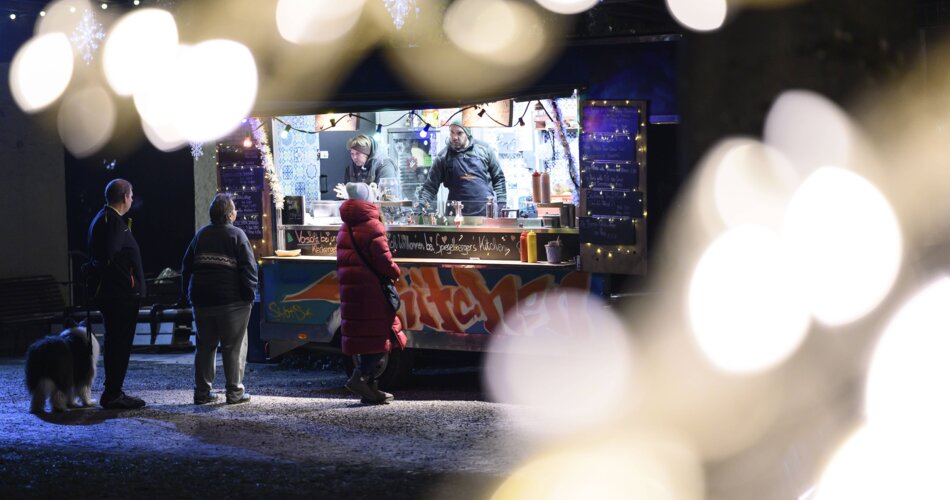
column 745, row 315
column 567, row 6
column 316, row 21
column 871, row 465
column 140, row 46
column 488, row 55
column 41, row 70
column 699, row 15
column 620, row 465
column 810, row 130
column 846, row 244
column 210, row 89
column 564, row 356
column 494, row 30
column 752, row 184
column 62, row 17
column 87, row 118
column 908, row 386
column 217, row 90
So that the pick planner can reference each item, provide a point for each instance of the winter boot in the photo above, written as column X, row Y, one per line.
column 381, row 397
column 358, row 385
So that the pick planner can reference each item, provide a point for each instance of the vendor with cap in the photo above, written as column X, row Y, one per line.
column 367, row 164
column 469, row 169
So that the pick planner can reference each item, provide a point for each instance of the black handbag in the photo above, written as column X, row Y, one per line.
column 389, row 289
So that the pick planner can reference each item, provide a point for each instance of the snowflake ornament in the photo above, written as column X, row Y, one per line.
column 399, row 9
column 86, row 36
column 196, row 151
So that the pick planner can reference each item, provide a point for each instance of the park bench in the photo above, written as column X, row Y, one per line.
column 29, row 306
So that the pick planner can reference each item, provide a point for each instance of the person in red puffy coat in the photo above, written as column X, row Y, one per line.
column 369, row 324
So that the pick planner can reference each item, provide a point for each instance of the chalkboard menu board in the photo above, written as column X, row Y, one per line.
column 320, row 242
column 603, row 174
column 613, row 182
column 241, row 174
column 608, row 231
column 293, row 212
column 615, row 202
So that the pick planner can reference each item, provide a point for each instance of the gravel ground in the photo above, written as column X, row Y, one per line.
column 302, row 435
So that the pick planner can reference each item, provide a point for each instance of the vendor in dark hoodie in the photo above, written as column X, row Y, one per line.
column 367, row 164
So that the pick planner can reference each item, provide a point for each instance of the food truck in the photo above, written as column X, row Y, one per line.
column 461, row 275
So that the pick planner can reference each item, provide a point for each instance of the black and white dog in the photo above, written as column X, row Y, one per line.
column 61, row 368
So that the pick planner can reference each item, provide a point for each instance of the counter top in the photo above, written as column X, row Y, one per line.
column 442, row 262
column 448, row 229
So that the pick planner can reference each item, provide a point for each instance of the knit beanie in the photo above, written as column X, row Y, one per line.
column 359, row 191
column 457, row 122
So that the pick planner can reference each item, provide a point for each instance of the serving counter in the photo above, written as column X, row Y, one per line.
column 457, row 284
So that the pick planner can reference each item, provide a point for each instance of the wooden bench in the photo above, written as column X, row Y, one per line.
column 28, row 308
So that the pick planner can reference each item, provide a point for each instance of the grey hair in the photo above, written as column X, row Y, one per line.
column 221, row 207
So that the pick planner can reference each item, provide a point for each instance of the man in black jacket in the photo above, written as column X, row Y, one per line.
column 117, row 264
column 219, row 277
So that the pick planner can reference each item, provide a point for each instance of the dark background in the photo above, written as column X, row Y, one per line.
column 701, row 87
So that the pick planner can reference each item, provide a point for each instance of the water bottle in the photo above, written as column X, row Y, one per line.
column 490, row 207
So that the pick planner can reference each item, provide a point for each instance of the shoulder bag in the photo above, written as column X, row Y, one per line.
column 389, row 289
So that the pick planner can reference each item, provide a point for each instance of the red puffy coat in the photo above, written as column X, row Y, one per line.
column 368, row 321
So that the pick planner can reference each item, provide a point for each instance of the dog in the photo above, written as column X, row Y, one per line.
column 61, row 368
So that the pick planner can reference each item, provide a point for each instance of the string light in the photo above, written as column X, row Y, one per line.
column 13, row 17
column 286, row 132
column 105, row 6
column 247, row 142
column 424, row 132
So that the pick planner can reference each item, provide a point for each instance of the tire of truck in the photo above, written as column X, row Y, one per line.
column 397, row 371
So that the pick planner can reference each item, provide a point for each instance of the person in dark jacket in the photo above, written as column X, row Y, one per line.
column 367, row 164
column 116, row 265
column 470, row 170
column 369, row 324
column 219, row 277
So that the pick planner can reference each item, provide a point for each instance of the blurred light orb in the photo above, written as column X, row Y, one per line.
column 40, row 71
column 908, row 384
column 567, row 6
column 810, row 130
column 493, row 30
column 140, row 45
column 216, row 89
column 317, row 21
column 86, row 120
column 163, row 135
column 157, row 103
column 565, row 356
column 744, row 314
column 61, row 17
column 872, row 465
column 753, row 184
column 621, row 466
column 699, row 15
column 845, row 244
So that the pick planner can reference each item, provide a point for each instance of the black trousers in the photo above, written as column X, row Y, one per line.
column 119, row 316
